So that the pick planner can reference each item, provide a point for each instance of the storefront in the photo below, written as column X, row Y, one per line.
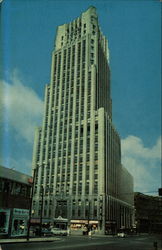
column 83, row 226
column 19, row 222
column 61, row 223
column 4, row 221
column 110, row 227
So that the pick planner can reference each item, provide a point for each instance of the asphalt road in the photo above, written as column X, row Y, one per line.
column 93, row 243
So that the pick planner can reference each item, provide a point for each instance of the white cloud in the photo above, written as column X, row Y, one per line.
column 142, row 162
column 21, row 108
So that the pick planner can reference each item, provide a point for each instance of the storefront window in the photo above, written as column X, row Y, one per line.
column 19, row 222
column 19, row 227
column 4, row 221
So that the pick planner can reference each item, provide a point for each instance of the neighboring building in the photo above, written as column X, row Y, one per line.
column 148, row 213
column 77, row 151
column 126, row 187
column 15, row 189
column 126, row 196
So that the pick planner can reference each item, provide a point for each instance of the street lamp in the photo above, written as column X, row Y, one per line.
column 89, row 207
column 41, row 213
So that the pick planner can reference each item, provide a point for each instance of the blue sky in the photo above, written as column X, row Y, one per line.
column 133, row 29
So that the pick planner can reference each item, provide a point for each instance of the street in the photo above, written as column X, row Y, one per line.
column 92, row 243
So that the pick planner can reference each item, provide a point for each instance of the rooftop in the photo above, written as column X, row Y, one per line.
column 14, row 175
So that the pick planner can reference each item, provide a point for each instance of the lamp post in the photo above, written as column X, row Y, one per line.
column 101, row 210
column 30, row 206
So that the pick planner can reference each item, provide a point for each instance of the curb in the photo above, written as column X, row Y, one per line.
column 31, row 240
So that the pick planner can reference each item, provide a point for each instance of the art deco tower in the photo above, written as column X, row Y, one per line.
column 77, row 153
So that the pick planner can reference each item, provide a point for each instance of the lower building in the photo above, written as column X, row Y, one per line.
column 105, row 214
column 148, row 213
column 15, row 189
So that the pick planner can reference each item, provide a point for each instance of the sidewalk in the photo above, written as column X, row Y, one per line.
column 18, row 240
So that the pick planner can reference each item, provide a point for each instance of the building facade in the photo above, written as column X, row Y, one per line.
column 77, row 151
column 15, row 190
column 148, row 213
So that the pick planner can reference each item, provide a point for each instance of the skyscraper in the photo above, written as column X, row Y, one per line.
column 77, row 153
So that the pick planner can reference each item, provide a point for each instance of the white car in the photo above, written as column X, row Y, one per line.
column 121, row 234
column 58, row 231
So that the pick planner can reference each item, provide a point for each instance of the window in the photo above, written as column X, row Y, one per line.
column 74, row 187
column 96, row 167
column 96, row 139
column 81, row 129
column 87, row 176
column 80, row 175
column 88, row 157
column 87, row 188
column 96, row 146
column 73, row 212
column 95, row 176
column 95, row 212
column 86, row 212
column 95, row 202
column 96, row 187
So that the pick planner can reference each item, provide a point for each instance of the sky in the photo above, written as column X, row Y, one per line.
column 133, row 30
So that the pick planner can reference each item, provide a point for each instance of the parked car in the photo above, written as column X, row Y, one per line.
column 46, row 232
column 58, row 231
column 121, row 234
